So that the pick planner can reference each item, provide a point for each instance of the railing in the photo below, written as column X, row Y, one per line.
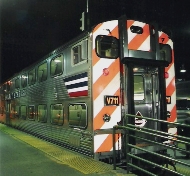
column 170, row 142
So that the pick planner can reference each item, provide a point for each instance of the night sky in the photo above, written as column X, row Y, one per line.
column 30, row 29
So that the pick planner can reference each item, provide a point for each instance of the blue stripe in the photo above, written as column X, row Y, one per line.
column 79, row 76
column 82, row 84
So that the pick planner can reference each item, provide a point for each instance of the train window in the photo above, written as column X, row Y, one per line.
column 56, row 65
column 42, row 113
column 78, row 115
column 165, row 52
column 17, row 83
column 76, row 53
column 23, row 112
column 12, row 112
column 57, row 114
column 138, row 87
column 24, row 80
column 32, row 77
column 42, row 72
column 31, row 112
column 106, row 46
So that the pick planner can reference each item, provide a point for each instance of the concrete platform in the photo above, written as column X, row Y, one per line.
column 25, row 155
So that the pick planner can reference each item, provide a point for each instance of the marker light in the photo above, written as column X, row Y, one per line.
column 166, row 75
column 105, row 71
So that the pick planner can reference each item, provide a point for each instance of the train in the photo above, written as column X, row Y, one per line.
column 76, row 94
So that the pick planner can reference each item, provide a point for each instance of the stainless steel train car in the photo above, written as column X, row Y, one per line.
column 78, row 92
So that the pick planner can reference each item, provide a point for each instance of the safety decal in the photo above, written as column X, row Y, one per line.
column 139, row 122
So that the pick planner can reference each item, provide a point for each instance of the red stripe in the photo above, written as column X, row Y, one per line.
column 78, row 94
column 107, row 145
column 138, row 40
column 171, row 87
column 173, row 115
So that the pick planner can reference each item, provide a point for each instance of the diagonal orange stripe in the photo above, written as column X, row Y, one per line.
column 107, row 145
column 97, row 27
column 171, row 87
column 103, row 81
column 137, row 41
column 98, row 120
column 173, row 115
column 129, row 23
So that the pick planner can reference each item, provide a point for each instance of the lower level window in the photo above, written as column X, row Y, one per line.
column 57, row 114
column 42, row 113
column 78, row 115
column 31, row 113
column 23, row 112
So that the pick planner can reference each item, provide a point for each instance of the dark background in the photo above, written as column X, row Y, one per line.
column 30, row 29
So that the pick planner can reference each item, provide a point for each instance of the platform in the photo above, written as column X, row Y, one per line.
column 22, row 154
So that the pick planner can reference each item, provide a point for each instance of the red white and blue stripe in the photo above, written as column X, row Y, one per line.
column 77, row 85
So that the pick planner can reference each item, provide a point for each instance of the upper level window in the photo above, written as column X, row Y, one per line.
column 7, row 86
column 24, row 80
column 76, row 52
column 17, row 83
column 42, row 72
column 32, row 77
column 56, row 65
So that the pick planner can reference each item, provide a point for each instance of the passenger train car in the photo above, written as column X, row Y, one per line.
column 78, row 92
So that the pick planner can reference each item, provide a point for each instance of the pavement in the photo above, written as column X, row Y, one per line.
column 22, row 154
column 25, row 155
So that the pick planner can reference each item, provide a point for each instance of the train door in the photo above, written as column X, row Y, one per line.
column 145, row 97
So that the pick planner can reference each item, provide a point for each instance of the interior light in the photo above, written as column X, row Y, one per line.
column 56, row 60
column 182, row 69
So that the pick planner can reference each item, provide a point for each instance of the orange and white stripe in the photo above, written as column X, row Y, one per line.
column 138, row 41
column 170, row 83
column 105, row 85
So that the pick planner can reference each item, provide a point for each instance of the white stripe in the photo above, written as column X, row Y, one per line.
column 171, row 73
column 98, row 68
column 110, row 89
column 104, row 29
column 78, row 89
column 145, row 46
column 115, row 117
column 131, row 35
column 76, row 81
column 98, row 140
column 173, row 103
column 116, row 144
